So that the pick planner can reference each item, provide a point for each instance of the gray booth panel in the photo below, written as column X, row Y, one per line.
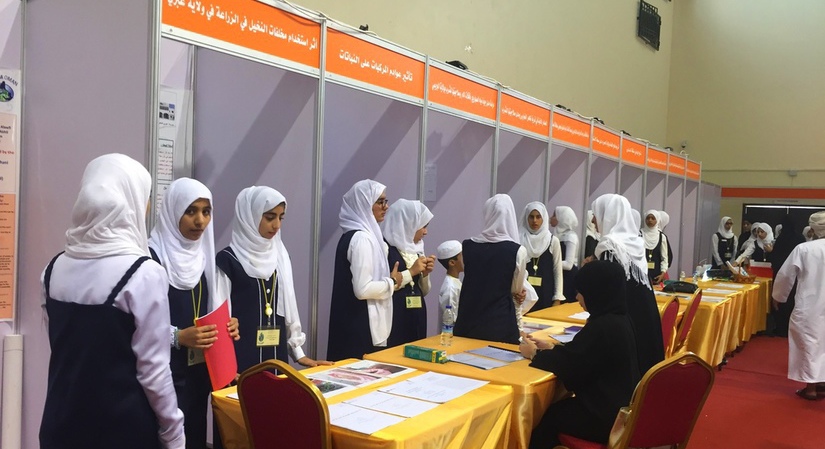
column 689, row 253
column 673, row 206
column 654, row 192
column 521, row 165
column 631, row 185
column 604, row 174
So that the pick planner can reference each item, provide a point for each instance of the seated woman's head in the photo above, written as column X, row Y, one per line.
column 601, row 287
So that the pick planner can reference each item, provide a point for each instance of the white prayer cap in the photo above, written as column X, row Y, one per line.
column 817, row 222
column 448, row 249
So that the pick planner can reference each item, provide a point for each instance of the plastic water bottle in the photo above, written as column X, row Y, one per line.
column 696, row 274
column 447, row 323
column 681, row 276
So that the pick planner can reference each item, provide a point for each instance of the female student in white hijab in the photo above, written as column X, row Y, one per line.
column 621, row 244
column 565, row 222
column 762, row 245
column 183, row 243
column 656, row 247
column 109, row 331
column 404, row 229
column 808, row 233
column 723, row 243
column 637, row 220
column 495, row 278
column 591, row 236
column 360, row 316
column 257, row 272
column 544, row 263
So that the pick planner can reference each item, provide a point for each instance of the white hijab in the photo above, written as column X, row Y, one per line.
column 356, row 215
column 568, row 223
column 184, row 260
column 536, row 242
column 637, row 220
column 500, row 221
column 768, row 237
column 664, row 220
column 619, row 236
column 651, row 234
column 591, row 228
column 817, row 223
column 805, row 233
column 404, row 218
column 727, row 234
column 109, row 216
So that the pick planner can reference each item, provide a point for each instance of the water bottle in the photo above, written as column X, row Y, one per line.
column 681, row 276
column 447, row 323
column 696, row 273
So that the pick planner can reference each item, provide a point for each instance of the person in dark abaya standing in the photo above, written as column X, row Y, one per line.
column 785, row 243
column 599, row 365
column 621, row 244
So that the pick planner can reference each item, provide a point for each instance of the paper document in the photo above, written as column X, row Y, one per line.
column 434, row 387
column 505, row 355
column 377, row 369
column 736, row 287
column 564, row 338
column 476, row 361
column 658, row 293
column 392, row 404
column 720, row 291
column 708, row 298
column 580, row 316
column 360, row 419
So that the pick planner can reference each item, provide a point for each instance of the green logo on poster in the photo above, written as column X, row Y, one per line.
column 6, row 92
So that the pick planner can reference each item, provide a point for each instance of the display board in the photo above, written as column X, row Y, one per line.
column 522, row 162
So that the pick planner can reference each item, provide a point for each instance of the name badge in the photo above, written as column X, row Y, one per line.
column 651, row 265
column 268, row 336
column 413, row 302
column 727, row 255
column 195, row 356
column 535, row 281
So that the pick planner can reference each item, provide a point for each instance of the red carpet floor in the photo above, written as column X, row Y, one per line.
column 753, row 406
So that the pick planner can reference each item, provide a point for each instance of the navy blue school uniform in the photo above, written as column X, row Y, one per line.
column 486, row 301
column 349, row 321
column 724, row 248
column 408, row 323
column 543, row 267
column 654, row 260
column 759, row 254
column 192, row 384
column 590, row 246
column 108, row 411
column 567, row 276
column 249, row 297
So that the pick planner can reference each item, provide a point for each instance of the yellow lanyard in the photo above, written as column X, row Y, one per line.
column 197, row 307
column 535, row 265
column 268, row 301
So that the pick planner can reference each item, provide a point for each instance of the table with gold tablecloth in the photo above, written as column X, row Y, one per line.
column 533, row 389
column 478, row 419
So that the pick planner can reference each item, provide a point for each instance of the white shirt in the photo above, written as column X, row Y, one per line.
column 570, row 255
column 715, row 248
column 359, row 254
column 407, row 277
column 89, row 282
column 663, row 252
column 449, row 294
column 806, row 333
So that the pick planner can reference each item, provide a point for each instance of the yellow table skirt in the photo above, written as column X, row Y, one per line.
column 478, row 419
column 533, row 388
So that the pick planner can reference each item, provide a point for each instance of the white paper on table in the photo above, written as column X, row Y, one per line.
column 378, row 369
column 233, row 396
column 434, row 387
column 563, row 338
column 505, row 355
column 708, row 298
column 736, row 287
column 658, row 293
column 476, row 361
column 720, row 291
column 360, row 419
column 395, row 405
column 580, row 316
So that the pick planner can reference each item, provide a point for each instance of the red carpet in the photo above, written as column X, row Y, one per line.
column 753, row 406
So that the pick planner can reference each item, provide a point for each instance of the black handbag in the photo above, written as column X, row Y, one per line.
column 680, row 287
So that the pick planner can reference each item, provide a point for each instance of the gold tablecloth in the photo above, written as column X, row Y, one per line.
column 478, row 419
column 533, row 388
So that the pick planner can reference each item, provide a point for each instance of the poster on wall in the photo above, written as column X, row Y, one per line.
column 10, row 89
column 169, row 118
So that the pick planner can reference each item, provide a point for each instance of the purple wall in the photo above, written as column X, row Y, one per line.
column 688, row 257
column 521, row 164
column 673, row 206
column 631, row 185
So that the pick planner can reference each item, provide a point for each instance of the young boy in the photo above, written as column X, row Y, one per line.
column 449, row 254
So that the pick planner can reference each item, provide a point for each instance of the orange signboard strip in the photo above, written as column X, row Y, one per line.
column 676, row 165
column 372, row 64
column 462, row 94
column 570, row 130
column 694, row 170
column 525, row 115
column 773, row 192
column 606, row 142
column 656, row 159
column 249, row 24
column 633, row 152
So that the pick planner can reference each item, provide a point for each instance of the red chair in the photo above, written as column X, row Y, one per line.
column 664, row 407
column 669, row 315
column 687, row 322
column 285, row 411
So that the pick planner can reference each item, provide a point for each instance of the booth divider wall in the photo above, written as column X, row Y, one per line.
column 604, row 164
column 632, row 172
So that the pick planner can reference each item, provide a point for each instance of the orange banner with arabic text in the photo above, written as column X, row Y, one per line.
column 249, row 24
column 656, row 159
column 694, row 170
column 372, row 64
column 462, row 94
column 606, row 142
column 525, row 115
column 571, row 130
column 676, row 165
column 633, row 152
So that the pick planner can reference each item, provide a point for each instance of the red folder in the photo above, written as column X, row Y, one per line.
column 220, row 358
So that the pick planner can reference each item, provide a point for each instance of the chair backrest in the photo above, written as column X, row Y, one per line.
column 285, row 411
column 667, row 402
column 669, row 323
column 687, row 321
